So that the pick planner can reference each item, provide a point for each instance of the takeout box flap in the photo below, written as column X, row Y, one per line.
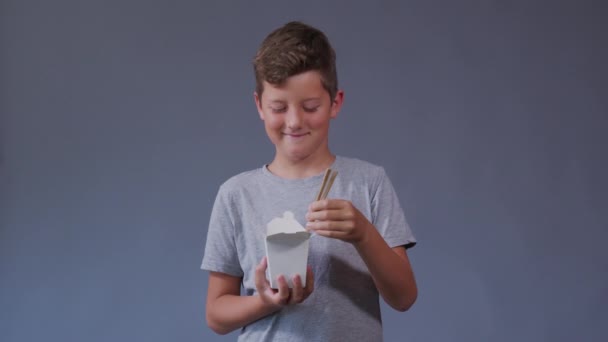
column 285, row 225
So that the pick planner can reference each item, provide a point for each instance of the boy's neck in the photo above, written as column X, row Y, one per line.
column 298, row 169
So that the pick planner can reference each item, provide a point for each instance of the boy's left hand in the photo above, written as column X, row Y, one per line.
column 338, row 219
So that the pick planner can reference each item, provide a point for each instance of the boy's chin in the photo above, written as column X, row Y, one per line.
column 296, row 155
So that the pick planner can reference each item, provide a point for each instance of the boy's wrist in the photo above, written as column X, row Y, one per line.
column 366, row 233
column 267, row 307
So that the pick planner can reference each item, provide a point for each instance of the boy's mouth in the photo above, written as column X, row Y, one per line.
column 295, row 135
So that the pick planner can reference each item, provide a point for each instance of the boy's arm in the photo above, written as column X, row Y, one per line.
column 389, row 267
column 227, row 310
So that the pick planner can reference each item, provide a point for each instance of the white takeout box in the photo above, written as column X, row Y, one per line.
column 286, row 249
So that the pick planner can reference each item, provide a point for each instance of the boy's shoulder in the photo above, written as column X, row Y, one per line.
column 360, row 164
column 359, row 168
column 241, row 179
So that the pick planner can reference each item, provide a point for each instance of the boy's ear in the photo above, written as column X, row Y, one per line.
column 336, row 105
column 258, row 104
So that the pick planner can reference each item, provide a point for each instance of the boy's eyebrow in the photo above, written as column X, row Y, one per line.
column 310, row 99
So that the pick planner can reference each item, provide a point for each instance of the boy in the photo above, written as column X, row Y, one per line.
column 358, row 249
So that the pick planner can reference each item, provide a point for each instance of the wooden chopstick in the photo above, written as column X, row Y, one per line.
column 325, row 178
column 328, row 181
column 329, row 184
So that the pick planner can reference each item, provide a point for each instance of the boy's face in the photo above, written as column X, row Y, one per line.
column 296, row 116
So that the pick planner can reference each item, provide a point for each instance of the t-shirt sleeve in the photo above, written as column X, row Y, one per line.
column 221, row 254
column 388, row 216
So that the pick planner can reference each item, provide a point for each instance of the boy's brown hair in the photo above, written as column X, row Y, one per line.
column 292, row 49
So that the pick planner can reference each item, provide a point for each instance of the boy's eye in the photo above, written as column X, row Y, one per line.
column 278, row 109
column 311, row 109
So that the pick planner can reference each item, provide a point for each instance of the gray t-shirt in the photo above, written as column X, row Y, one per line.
column 344, row 305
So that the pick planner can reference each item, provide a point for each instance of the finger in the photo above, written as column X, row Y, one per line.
column 334, row 234
column 283, row 294
column 329, row 225
column 260, row 275
column 326, row 204
column 328, row 215
column 310, row 282
column 297, row 293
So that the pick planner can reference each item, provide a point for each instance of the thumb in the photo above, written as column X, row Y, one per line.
column 260, row 275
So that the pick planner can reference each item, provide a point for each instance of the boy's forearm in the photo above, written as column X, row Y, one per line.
column 391, row 273
column 230, row 312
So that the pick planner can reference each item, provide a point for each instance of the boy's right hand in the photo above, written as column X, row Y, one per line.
column 283, row 295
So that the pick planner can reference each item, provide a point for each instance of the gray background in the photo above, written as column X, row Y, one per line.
column 120, row 119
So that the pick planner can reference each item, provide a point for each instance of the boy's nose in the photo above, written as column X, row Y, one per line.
column 293, row 119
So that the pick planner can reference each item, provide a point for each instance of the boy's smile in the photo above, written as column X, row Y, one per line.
column 295, row 137
column 296, row 117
